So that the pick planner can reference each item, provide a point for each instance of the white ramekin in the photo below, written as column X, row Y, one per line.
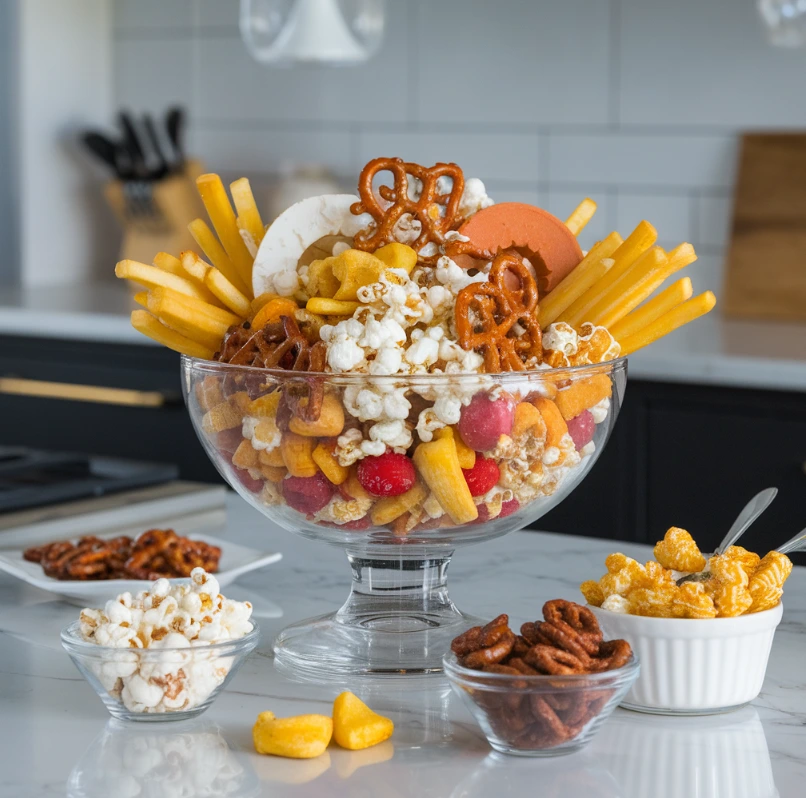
column 694, row 667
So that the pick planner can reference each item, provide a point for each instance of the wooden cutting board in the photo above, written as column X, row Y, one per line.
column 766, row 267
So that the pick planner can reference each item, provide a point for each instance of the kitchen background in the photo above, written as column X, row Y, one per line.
column 638, row 104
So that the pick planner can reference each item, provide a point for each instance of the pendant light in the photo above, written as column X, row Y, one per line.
column 287, row 32
column 785, row 21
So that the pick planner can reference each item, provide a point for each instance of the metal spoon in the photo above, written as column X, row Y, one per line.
column 797, row 543
column 752, row 510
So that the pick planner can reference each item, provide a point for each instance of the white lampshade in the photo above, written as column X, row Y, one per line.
column 312, row 31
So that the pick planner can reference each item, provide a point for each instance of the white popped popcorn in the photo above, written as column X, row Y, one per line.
column 166, row 630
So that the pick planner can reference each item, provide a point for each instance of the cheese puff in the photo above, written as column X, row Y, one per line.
column 731, row 600
column 657, row 603
column 726, row 571
column 616, row 561
column 678, row 551
column 658, row 575
column 749, row 559
column 691, row 601
column 630, row 576
column 767, row 582
column 593, row 593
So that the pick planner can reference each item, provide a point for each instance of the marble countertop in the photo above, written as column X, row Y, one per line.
column 711, row 351
column 58, row 739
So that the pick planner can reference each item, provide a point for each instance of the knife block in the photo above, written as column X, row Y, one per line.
column 155, row 215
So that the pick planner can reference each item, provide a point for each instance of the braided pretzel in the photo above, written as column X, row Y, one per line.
column 486, row 313
column 436, row 212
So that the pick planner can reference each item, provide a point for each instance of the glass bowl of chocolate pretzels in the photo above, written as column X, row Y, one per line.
column 546, row 691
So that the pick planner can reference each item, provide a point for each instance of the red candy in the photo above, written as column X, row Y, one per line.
column 254, row 485
column 389, row 474
column 507, row 508
column 482, row 477
column 581, row 429
column 229, row 440
column 485, row 420
column 307, row 494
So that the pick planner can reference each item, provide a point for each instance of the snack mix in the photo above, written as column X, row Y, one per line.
column 422, row 275
column 681, row 583
column 568, row 641
column 182, row 620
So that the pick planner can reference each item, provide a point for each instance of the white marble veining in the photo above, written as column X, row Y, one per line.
column 711, row 351
column 58, row 740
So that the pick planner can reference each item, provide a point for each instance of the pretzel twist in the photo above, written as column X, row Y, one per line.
column 486, row 314
column 437, row 212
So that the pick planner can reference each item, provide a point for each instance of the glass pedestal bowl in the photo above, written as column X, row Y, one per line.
column 308, row 472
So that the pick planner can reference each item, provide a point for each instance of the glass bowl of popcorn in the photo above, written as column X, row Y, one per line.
column 165, row 653
column 398, row 471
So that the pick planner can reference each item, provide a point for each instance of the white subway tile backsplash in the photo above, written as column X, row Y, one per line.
column 271, row 150
column 705, row 62
column 629, row 159
column 490, row 156
column 561, row 202
column 707, row 273
column 512, row 62
column 670, row 215
column 233, row 86
column 150, row 74
column 508, row 193
column 160, row 16
column 218, row 13
column 712, row 220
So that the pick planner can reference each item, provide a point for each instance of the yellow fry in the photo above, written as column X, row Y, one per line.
column 248, row 214
column 237, row 302
column 582, row 214
column 645, row 275
column 179, row 317
column 199, row 308
column 638, row 242
column 144, row 322
column 168, row 263
column 152, row 277
column 194, row 266
column 215, row 253
column 592, row 268
column 214, row 197
column 332, row 307
column 667, row 299
column 677, row 317
column 682, row 255
column 141, row 298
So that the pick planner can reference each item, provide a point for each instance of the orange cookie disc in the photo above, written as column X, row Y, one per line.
column 550, row 246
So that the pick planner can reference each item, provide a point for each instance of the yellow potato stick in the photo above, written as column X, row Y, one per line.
column 592, row 268
column 677, row 317
column 194, row 266
column 332, row 307
column 681, row 256
column 141, row 298
column 196, row 306
column 215, row 253
column 646, row 274
column 638, row 242
column 168, row 263
column 214, row 197
column 667, row 299
column 152, row 277
column 582, row 214
column 176, row 315
column 232, row 298
column 144, row 322
column 248, row 214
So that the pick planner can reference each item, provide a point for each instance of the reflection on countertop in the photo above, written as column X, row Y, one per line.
column 57, row 736
column 711, row 351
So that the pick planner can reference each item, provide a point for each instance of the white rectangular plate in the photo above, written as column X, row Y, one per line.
column 236, row 560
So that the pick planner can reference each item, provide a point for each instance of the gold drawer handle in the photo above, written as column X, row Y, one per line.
column 80, row 393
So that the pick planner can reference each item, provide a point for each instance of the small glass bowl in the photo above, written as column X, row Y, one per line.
column 540, row 715
column 156, row 684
